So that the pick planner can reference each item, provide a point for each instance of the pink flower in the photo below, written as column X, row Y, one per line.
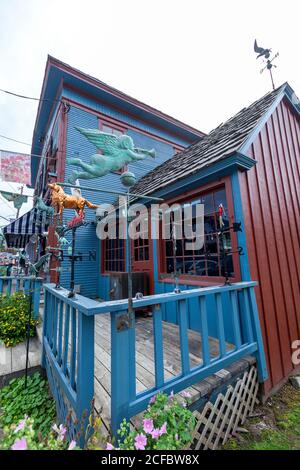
column 155, row 433
column 60, row 431
column 163, row 429
column 21, row 424
column 148, row 426
column 20, row 444
column 140, row 442
column 72, row 445
column 171, row 397
column 109, row 446
column 183, row 404
column 152, row 399
column 186, row 394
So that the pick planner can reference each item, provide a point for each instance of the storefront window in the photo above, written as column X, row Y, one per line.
column 209, row 260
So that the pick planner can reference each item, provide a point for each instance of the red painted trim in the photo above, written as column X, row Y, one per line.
column 188, row 195
column 113, row 91
column 118, row 122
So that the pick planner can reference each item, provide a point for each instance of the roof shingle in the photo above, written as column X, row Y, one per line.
column 218, row 144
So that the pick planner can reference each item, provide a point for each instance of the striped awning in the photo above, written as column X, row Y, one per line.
column 18, row 232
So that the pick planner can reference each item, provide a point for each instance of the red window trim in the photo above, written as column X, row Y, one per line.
column 111, row 123
column 202, row 280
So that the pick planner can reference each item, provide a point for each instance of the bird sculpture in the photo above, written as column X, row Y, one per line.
column 261, row 51
column 116, row 151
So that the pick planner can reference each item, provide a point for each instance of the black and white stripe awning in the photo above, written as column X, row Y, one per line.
column 18, row 232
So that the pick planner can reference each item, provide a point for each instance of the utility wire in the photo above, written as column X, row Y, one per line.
column 28, row 97
column 14, row 140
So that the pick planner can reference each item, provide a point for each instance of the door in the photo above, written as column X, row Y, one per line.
column 142, row 259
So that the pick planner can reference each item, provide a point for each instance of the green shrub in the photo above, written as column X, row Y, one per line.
column 14, row 318
column 16, row 401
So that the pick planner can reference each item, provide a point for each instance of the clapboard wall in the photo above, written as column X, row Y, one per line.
column 88, row 273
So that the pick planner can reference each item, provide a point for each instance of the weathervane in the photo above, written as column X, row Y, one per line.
column 266, row 54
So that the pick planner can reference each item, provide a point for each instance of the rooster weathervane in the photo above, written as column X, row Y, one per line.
column 266, row 54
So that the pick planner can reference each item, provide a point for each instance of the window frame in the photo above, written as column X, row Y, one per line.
column 117, row 127
column 193, row 279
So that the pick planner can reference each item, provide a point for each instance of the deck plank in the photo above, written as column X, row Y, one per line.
column 145, row 377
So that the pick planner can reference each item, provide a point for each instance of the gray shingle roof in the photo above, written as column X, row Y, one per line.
column 218, row 144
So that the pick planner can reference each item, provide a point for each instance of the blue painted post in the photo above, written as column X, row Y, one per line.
column 18, row 285
column 220, row 325
column 245, row 316
column 55, row 318
column 123, row 369
column 183, row 332
column 1, row 285
column 158, row 346
column 9, row 286
column 73, row 348
column 85, row 369
column 36, row 284
column 60, row 332
column 204, row 331
column 235, row 319
column 239, row 217
column 260, row 354
column 66, row 340
column 45, row 326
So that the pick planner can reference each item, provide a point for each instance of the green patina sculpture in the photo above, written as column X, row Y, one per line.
column 117, row 151
column 2, row 239
column 35, row 267
column 40, row 205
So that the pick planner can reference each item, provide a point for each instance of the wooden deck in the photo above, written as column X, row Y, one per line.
column 144, row 358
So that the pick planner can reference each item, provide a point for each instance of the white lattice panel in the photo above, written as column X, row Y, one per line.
column 219, row 420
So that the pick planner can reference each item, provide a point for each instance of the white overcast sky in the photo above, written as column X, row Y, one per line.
column 192, row 59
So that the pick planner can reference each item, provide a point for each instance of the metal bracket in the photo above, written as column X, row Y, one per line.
column 123, row 322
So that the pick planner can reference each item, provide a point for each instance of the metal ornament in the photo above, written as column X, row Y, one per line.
column 265, row 54
column 117, row 151
column 64, row 201
column 128, row 179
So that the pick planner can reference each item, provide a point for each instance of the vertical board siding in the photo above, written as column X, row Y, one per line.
column 271, row 203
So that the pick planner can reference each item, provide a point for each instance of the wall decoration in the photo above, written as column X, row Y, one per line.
column 117, row 151
column 62, row 201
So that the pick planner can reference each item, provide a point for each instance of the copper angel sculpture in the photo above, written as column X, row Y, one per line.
column 117, row 151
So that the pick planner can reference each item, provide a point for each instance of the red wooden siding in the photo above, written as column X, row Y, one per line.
column 271, row 203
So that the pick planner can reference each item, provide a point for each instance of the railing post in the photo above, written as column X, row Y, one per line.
column 37, row 283
column 123, row 373
column 45, row 325
column 85, row 368
column 260, row 354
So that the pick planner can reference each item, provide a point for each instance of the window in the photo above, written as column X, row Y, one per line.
column 116, row 130
column 209, row 261
column 114, row 256
column 141, row 248
column 114, row 259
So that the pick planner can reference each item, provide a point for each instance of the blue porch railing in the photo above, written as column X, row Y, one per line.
column 68, row 340
column 26, row 284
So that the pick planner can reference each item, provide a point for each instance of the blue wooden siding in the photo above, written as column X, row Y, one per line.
column 123, row 117
column 88, row 273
